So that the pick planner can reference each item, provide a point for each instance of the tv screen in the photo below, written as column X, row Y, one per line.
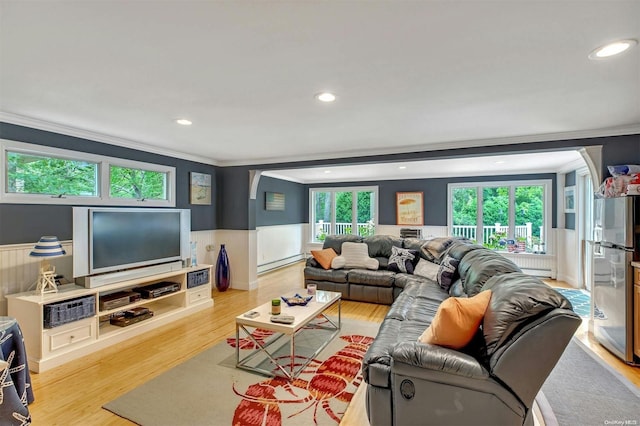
column 114, row 239
column 132, row 238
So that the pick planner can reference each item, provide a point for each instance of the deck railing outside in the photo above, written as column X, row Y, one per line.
column 466, row 231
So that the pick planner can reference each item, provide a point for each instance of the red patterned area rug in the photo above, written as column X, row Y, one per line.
column 208, row 390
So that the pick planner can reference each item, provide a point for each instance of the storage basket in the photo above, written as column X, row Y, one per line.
column 67, row 311
column 196, row 278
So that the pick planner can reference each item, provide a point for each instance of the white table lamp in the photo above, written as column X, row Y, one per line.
column 44, row 249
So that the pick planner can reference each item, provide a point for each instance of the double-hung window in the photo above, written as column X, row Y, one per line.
column 35, row 174
column 343, row 211
column 512, row 216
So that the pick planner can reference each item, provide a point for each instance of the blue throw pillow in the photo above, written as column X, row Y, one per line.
column 402, row 260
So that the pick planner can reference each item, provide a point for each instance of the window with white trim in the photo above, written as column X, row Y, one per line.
column 343, row 211
column 511, row 216
column 35, row 174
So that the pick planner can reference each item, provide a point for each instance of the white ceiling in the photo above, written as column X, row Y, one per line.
column 409, row 75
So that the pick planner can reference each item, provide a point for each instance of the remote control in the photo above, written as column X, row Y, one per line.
column 283, row 319
column 252, row 314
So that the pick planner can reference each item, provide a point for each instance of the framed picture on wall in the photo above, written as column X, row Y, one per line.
column 570, row 199
column 409, row 208
column 200, row 188
column 274, row 201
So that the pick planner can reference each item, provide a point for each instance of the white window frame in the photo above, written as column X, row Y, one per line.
column 103, row 163
column 547, row 185
column 354, row 208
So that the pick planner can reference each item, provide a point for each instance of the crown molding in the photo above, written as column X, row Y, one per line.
column 48, row 126
column 573, row 165
column 472, row 143
column 439, row 146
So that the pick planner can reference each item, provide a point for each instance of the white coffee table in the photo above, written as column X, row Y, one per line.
column 304, row 318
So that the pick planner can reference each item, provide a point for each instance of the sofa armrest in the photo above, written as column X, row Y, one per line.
column 438, row 358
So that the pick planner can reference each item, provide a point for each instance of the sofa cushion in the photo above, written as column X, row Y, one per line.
column 460, row 248
column 434, row 248
column 324, row 257
column 457, row 289
column 355, row 255
column 335, row 241
column 426, row 269
column 402, row 260
column 372, row 278
column 517, row 297
column 418, row 301
column 402, row 280
column 477, row 266
column 380, row 245
column 447, row 272
column 457, row 321
column 383, row 262
column 319, row 274
column 413, row 244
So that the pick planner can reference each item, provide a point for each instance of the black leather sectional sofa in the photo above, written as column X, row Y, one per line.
column 494, row 379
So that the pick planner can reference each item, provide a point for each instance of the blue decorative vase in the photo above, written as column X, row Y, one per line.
column 223, row 273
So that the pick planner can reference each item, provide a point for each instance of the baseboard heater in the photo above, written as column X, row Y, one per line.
column 270, row 266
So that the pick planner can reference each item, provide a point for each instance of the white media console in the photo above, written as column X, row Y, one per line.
column 82, row 324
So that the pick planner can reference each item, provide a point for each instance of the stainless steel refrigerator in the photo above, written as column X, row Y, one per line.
column 615, row 246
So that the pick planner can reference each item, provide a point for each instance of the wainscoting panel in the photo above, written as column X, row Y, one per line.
column 280, row 245
column 568, row 256
column 207, row 251
column 19, row 271
column 541, row 265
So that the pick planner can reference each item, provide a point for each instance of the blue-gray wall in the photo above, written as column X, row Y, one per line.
column 232, row 208
column 569, row 218
column 25, row 223
column 435, row 194
column 295, row 205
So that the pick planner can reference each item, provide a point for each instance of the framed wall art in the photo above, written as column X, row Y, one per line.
column 570, row 199
column 409, row 208
column 200, row 188
column 274, row 201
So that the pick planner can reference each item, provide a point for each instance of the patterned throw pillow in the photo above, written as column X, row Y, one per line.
column 447, row 272
column 402, row 260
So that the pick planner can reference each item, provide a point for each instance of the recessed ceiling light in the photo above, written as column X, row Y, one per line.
column 612, row 49
column 326, row 97
column 500, row 162
column 402, row 167
column 327, row 171
column 183, row 121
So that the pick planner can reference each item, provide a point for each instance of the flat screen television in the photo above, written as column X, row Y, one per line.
column 116, row 239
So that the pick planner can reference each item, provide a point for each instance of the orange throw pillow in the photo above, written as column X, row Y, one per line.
column 324, row 257
column 457, row 321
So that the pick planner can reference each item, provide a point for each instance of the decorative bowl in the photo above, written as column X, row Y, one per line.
column 297, row 300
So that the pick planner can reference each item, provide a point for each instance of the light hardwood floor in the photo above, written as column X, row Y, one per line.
column 73, row 394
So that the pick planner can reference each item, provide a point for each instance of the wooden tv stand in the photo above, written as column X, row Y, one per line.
column 51, row 347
